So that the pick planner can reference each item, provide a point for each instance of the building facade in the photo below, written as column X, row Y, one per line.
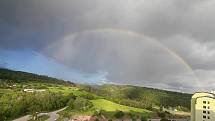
column 203, row 106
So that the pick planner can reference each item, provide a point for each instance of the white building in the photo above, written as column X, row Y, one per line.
column 203, row 106
column 34, row 90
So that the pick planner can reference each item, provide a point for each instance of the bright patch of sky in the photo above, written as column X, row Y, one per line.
column 34, row 62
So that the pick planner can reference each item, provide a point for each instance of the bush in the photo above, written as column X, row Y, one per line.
column 143, row 118
column 97, row 113
column 88, row 96
column 82, row 104
column 15, row 105
column 119, row 114
column 161, row 114
column 134, row 118
column 164, row 119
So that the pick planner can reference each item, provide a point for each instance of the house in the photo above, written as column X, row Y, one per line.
column 203, row 106
column 34, row 90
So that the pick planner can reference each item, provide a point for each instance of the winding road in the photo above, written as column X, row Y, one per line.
column 52, row 115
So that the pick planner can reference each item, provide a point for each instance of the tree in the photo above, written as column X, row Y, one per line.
column 161, row 114
column 164, row 119
column 143, row 118
column 119, row 114
column 81, row 104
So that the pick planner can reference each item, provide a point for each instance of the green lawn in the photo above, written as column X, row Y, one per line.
column 6, row 91
column 63, row 89
column 106, row 105
column 108, row 109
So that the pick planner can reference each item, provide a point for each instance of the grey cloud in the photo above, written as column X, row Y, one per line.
column 184, row 26
column 47, row 21
column 199, row 55
column 126, row 58
column 174, row 17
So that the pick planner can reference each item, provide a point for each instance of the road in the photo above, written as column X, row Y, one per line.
column 52, row 116
column 24, row 118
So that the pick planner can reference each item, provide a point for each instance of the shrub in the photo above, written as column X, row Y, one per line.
column 82, row 104
column 88, row 96
column 119, row 114
column 143, row 118
column 164, row 119
column 161, row 114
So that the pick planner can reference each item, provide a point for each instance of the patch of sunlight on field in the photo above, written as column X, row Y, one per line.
column 111, row 106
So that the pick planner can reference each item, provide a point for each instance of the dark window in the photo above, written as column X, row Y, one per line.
column 204, row 116
column 208, row 102
column 208, row 112
column 208, row 117
column 204, row 111
column 208, row 107
column 204, row 107
column 204, row 102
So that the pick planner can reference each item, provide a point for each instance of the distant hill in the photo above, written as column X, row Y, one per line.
column 142, row 96
column 19, row 76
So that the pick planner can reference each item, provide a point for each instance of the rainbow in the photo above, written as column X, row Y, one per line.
column 143, row 37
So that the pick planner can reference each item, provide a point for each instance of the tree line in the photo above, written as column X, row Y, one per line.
column 19, row 104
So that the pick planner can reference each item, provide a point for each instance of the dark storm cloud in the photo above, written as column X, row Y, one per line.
column 38, row 22
column 29, row 24
column 172, row 17
column 185, row 27
column 127, row 58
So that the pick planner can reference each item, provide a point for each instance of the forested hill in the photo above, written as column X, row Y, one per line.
column 142, row 96
column 19, row 76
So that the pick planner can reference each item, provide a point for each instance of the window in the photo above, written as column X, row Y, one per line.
column 208, row 107
column 208, row 117
column 204, row 116
column 204, row 102
column 204, row 107
column 204, row 111
column 208, row 112
column 208, row 102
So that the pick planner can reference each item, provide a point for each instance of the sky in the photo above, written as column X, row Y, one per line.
column 166, row 44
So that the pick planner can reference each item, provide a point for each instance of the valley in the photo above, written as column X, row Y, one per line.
column 33, row 95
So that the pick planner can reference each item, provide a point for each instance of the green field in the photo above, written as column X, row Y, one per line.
column 106, row 105
column 107, row 109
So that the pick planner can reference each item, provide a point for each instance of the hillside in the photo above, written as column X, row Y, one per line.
column 124, row 94
column 142, row 96
column 110, row 101
column 110, row 106
column 19, row 76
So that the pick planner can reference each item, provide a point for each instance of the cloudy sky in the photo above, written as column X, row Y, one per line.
column 167, row 44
